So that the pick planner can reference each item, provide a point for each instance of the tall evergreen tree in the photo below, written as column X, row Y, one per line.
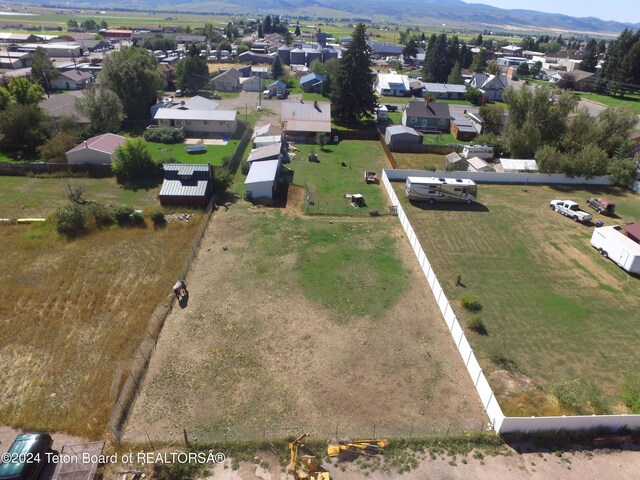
column 479, row 63
column 352, row 93
column 297, row 33
column 590, row 60
column 266, row 24
column 411, row 49
column 455, row 76
column 436, row 61
column 277, row 69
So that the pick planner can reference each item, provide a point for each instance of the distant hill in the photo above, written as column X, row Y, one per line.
column 451, row 12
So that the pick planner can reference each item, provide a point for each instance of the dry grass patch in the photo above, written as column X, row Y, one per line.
column 72, row 313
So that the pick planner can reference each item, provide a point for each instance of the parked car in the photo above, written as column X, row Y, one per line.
column 26, row 457
column 392, row 108
column 179, row 93
column 602, row 205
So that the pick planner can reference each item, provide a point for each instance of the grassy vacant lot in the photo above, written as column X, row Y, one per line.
column 329, row 180
column 39, row 197
column 418, row 161
column 73, row 312
column 554, row 309
column 303, row 324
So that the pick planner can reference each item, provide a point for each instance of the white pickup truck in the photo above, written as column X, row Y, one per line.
column 570, row 209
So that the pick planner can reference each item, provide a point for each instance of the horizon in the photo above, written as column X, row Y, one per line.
column 624, row 11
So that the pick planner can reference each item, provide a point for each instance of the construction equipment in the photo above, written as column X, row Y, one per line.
column 305, row 466
column 361, row 447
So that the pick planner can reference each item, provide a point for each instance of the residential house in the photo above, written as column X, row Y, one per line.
column 197, row 103
column 277, row 87
column 60, row 106
column 427, row 116
column 228, row 81
column 198, row 122
column 491, row 86
column 512, row 50
column 392, row 85
column 186, row 184
column 381, row 49
column 446, row 91
column 312, row 83
column 71, row 80
column 95, row 150
column 396, row 136
column 476, row 164
column 302, row 121
column 169, row 73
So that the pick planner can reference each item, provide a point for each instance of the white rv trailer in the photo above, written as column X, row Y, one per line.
column 612, row 243
column 430, row 189
column 481, row 151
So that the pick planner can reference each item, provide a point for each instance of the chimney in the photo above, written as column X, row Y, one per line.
column 86, row 145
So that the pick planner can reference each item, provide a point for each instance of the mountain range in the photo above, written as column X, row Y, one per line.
column 453, row 13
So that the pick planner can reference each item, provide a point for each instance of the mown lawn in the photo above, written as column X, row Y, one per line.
column 554, row 309
column 161, row 152
column 418, row 161
column 330, row 180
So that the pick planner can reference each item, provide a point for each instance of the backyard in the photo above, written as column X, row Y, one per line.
column 73, row 312
column 556, row 313
column 299, row 323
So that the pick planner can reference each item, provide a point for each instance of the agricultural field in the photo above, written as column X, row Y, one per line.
column 72, row 312
column 298, row 323
column 561, row 321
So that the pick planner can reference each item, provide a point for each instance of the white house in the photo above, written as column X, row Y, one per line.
column 262, row 178
column 392, row 85
column 198, row 121
column 96, row 150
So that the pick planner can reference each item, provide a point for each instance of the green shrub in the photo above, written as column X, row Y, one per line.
column 157, row 217
column 222, row 180
column 471, row 302
column 137, row 218
column 631, row 392
column 582, row 396
column 164, row 135
column 477, row 325
column 102, row 215
column 123, row 215
column 70, row 221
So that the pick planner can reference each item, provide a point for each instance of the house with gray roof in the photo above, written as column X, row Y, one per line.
column 63, row 105
column 446, row 91
column 228, row 81
column 431, row 117
column 312, row 83
column 491, row 86
column 199, row 122
column 302, row 121
column 71, row 80
column 186, row 184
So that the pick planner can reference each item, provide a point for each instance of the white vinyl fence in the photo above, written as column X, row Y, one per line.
column 500, row 423
column 500, row 177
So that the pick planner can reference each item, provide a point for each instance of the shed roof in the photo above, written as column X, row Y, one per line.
column 633, row 229
column 518, row 164
column 478, row 164
column 268, row 152
column 398, row 129
column 266, row 171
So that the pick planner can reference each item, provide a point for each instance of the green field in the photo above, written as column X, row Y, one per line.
column 40, row 197
column 329, row 180
column 554, row 309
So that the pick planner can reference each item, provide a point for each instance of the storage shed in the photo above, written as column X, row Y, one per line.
column 262, row 179
column 95, row 150
column 399, row 134
column 186, row 184
column 476, row 164
column 512, row 165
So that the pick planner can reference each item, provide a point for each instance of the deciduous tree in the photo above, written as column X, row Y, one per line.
column 131, row 73
column 132, row 161
column 42, row 69
column 103, row 107
column 24, row 91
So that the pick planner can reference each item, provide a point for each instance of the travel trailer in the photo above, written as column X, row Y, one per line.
column 431, row 189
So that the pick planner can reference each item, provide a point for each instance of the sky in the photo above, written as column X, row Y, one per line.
column 620, row 10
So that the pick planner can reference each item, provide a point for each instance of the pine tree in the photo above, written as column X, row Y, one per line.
column 455, row 76
column 591, row 57
column 260, row 32
column 352, row 93
column 479, row 63
column 277, row 70
column 297, row 33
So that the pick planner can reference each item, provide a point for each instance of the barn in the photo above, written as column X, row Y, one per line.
column 95, row 150
column 186, row 184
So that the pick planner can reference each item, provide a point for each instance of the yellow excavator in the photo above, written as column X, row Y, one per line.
column 361, row 447
column 305, row 467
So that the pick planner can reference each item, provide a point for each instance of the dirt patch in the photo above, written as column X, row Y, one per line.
column 251, row 356
column 507, row 383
